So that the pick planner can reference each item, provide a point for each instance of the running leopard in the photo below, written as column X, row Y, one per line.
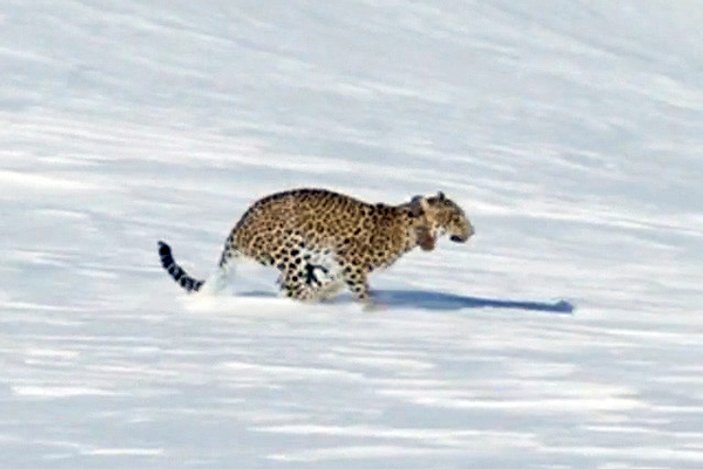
column 321, row 241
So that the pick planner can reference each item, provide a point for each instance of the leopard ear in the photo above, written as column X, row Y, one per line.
column 418, row 206
column 440, row 195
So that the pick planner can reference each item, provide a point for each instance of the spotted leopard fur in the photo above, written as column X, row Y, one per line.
column 321, row 241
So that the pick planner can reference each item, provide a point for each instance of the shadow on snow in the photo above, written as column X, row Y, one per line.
column 438, row 301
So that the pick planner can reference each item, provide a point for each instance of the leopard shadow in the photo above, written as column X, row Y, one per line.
column 440, row 301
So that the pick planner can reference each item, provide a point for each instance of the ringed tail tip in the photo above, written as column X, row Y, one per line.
column 175, row 271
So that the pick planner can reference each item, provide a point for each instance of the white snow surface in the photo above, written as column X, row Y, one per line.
column 571, row 132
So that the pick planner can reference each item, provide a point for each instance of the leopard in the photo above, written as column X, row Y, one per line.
column 320, row 240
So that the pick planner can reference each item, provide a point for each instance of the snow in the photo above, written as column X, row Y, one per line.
column 570, row 133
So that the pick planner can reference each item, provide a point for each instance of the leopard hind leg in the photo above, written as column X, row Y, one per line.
column 312, row 276
column 221, row 280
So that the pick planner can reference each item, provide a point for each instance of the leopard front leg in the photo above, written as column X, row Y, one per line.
column 356, row 279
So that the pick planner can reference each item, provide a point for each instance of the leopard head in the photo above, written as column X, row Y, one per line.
column 440, row 216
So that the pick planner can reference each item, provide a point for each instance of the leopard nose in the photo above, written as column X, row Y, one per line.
column 462, row 238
